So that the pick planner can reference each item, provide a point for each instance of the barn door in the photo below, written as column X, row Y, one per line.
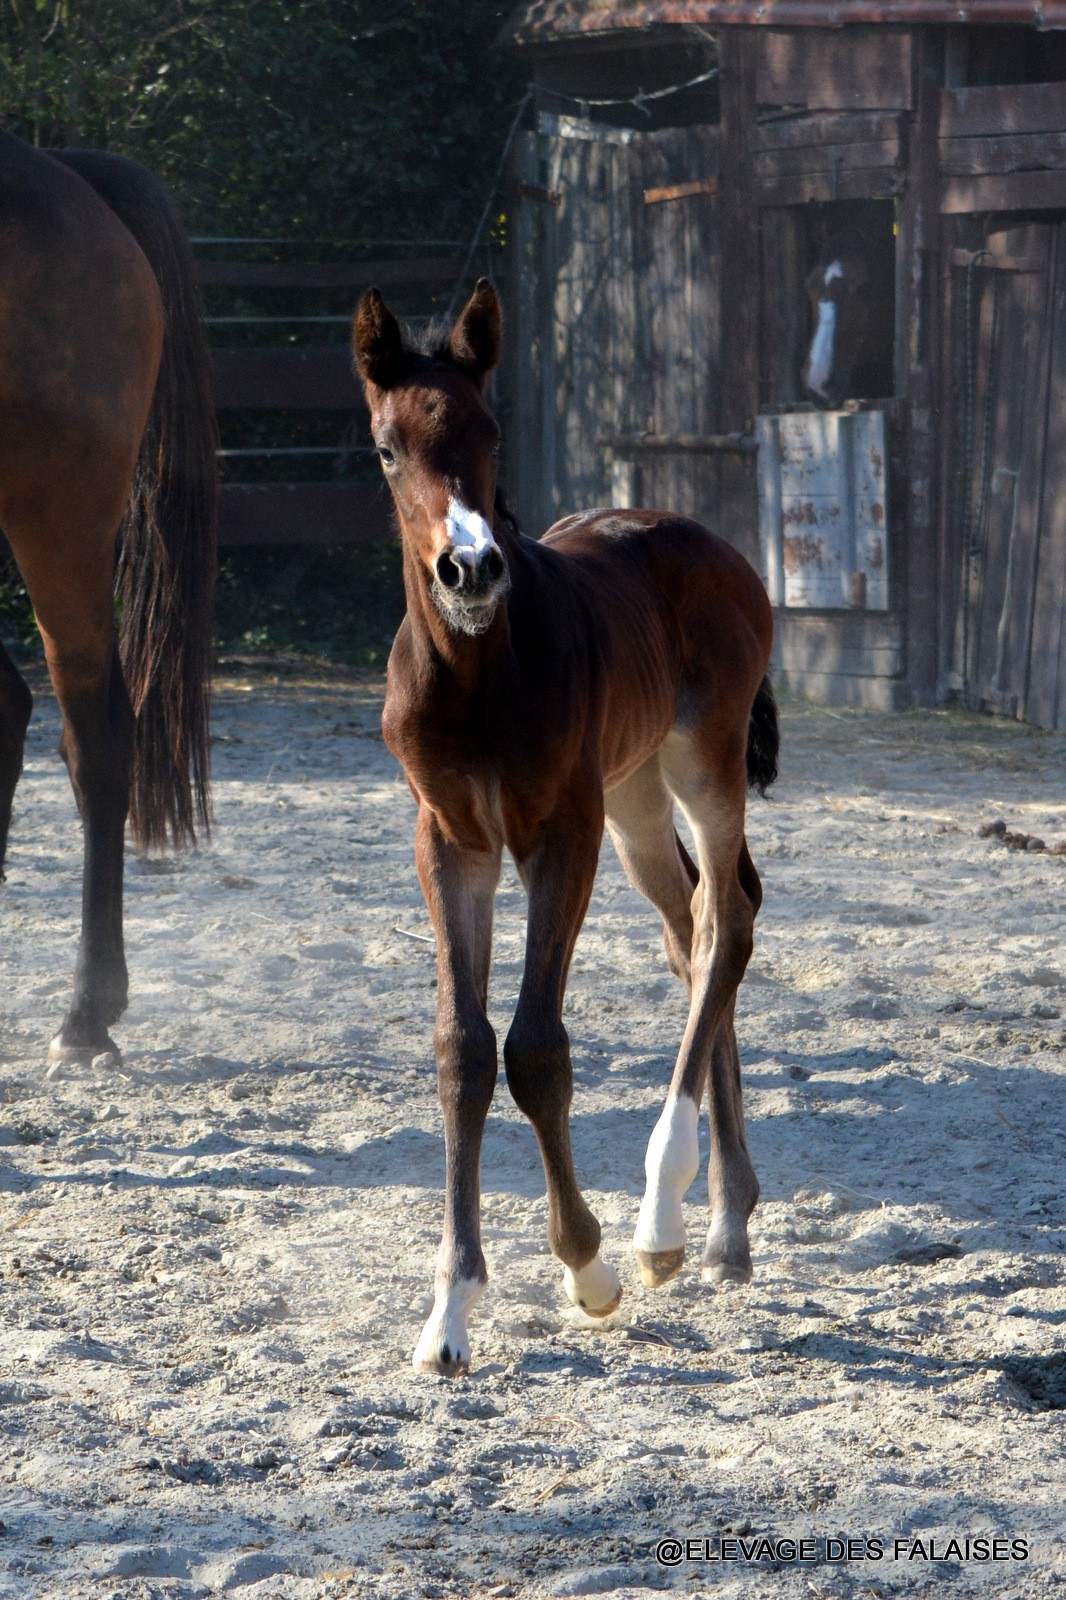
column 1001, row 350
column 612, row 305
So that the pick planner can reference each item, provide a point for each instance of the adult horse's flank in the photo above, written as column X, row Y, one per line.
column 106, row 444
column 614, row 667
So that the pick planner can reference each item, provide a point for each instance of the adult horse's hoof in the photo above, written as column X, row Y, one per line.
column 595, row 1288
column 657, row 1267
column 81, row 1054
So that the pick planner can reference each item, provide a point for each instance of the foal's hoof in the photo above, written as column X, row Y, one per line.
column 595, row 1288
column 442, row 1362
column 444, row 1347
column 720, row 1273
column 657, row 1267
column 81, row 1054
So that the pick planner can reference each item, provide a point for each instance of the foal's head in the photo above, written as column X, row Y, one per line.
column 438, row 443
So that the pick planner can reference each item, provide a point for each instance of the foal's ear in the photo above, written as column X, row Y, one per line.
column 377, row 343
column 474, row 342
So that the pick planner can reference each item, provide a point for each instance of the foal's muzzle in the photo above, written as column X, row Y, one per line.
column 468, row 574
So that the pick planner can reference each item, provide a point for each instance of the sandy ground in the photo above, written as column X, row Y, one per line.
column 216, row 1258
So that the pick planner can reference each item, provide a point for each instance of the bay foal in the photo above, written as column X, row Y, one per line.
column 535, row 690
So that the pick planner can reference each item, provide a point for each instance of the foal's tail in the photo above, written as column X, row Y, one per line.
column 764, row 739
column 166, row 566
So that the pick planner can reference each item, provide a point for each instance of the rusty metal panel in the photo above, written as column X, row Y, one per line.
column 823, row 499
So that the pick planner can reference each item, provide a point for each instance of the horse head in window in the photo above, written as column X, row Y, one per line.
column 851, row 293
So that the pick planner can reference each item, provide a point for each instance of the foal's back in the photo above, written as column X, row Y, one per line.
column 674, row 625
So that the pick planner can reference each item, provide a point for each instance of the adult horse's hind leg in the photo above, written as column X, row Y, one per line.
column 559, row 876
column 16, row 703
column 97, row 746
column 711, row 791
column 66, row 562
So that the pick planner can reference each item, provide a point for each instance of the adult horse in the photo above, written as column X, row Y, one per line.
column 535, row 690
column 107, row 495
column 851, row 289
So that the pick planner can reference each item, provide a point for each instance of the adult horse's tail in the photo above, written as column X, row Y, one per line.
column 166, row 565
column 764, row 739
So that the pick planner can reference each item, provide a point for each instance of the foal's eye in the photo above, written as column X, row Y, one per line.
column 387, row 457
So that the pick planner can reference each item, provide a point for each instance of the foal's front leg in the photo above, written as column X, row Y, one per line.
column 459, row 885
column 559, row 875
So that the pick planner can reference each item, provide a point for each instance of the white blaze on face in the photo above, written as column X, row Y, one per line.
column 672, row 1161
column 468, row 533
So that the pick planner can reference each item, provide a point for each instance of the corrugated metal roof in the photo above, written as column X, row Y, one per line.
column 539, row 21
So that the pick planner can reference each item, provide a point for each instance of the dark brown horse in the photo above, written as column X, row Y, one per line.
column 536, row 690
column 107, row 490
column 851, row 289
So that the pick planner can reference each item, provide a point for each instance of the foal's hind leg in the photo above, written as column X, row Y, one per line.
column 640, row 818
column 559, row 875
column 711, row 790
column 16, row 703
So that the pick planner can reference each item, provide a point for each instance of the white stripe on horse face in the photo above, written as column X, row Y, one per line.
column 672, row 1161
column 820, row 364
column 833, row 270
column 468, row 533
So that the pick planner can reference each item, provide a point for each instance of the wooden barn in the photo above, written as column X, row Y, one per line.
column 688, row 163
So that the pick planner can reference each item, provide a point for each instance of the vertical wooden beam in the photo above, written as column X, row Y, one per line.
column 918, row 376
column 522, row 357
column 738, row 516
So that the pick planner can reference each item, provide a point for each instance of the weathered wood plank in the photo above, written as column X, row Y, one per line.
column 917, row 337
column 740, row 55
column 848, row 643
column 681, row 191
column 817, row 128
column 960, row 257
column 303, row 513
column 876, row 183
column 1021, row 152
column 856, row 68
column 681, row 443
column 1045, row 703
column 1015, row 627
column 1008, row 108
column 521, row 347
column 773, row 164
column 1017, row 191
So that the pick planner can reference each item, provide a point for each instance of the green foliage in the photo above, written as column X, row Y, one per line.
column 324, row 118
column 343, row 604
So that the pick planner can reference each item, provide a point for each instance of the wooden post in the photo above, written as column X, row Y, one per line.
column 738, row 516
column 918, row 377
